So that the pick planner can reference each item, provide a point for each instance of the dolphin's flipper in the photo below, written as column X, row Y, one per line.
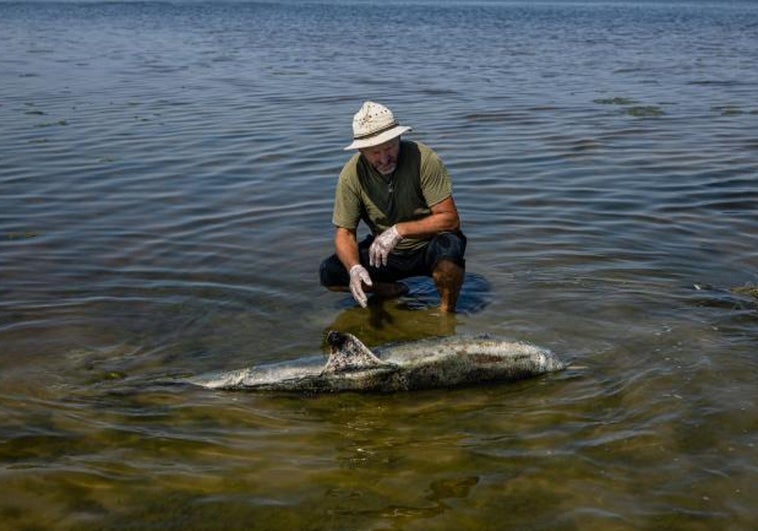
column 347, row 353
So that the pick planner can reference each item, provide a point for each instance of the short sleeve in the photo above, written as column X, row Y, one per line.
column 347, row 201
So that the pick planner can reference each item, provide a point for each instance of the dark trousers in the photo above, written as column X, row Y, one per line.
column 444, row 246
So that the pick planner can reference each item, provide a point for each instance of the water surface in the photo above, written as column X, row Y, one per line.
column 166, row 179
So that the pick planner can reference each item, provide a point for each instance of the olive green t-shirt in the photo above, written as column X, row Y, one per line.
column 419, row 182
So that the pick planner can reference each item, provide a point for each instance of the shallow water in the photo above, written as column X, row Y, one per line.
column 166, row 178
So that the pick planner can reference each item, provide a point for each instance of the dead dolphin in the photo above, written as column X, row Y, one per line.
column 441, row 362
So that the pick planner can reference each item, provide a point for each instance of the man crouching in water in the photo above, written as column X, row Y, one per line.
column 402, row 191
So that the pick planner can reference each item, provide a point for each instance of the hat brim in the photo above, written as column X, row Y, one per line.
column 381, row 138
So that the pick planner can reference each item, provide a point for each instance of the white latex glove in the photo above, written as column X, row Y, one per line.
column 358, row 275
column 382, row 245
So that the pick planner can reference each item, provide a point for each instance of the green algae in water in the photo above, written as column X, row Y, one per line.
column 729, row 110
column 107, row 376
column 746, row 290
column 615, row 101
column 638, row 111
column 645, row 111
column 28, row 235
column 53, row 124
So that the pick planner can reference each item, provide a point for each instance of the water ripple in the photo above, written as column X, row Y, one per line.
column 166, row 188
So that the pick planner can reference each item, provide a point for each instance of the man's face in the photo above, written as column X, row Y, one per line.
column 384, row 156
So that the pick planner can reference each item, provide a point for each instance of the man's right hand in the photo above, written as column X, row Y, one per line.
column 358, row 277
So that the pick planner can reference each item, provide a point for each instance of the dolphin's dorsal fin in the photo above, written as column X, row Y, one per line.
column 347, row 353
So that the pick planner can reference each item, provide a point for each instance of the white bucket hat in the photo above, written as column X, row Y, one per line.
column 373, row 125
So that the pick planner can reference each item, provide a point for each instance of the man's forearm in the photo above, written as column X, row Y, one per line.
column 346, row 247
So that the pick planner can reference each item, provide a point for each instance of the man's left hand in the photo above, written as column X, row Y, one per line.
column 382, row 245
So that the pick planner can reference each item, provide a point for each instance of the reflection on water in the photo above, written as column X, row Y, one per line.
column 392, row 317
column 413, row 316
column 165, row 200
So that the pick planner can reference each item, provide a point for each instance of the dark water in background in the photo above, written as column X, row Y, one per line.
column 166, row 177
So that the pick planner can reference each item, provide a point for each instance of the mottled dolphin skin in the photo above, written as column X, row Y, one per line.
column 429, row 363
